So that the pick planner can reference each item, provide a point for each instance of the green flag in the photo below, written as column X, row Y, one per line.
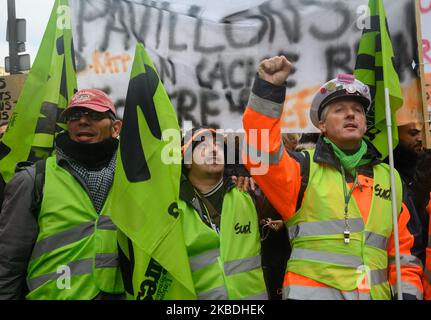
column 145, row 191
column 374, row 67
column 46, row 92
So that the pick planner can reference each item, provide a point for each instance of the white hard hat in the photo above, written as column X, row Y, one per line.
column 344, row 85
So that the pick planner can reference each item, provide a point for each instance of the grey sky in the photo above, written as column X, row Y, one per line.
column 36, row 12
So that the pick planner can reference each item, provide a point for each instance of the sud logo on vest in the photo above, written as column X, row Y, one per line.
column 243, row 229
column 380, row 192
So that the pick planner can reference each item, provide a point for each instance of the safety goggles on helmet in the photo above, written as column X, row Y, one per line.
column 343, row 86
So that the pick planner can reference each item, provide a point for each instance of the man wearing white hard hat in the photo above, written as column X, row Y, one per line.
column 335, row 200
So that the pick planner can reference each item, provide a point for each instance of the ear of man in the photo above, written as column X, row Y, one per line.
column 322, row 126
column 116, row 128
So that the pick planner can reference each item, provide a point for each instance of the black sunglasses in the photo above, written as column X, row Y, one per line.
column 75, row 115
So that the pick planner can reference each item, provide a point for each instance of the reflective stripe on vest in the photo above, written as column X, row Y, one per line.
column 107, row 260
column 334, row 258
column 378, row 276
column 70, row 236
column 105, row 223
column 219, row 293
column 203, row 260
column 299, row 292
column 409, row 288
column 76, row 268
column 230, row 267
column 62, row 239
column 337, row 227
column 266, row 107
column 225, row 265
column 73, row 240
column 242, row 265
column 376, row 240
column 407, row 260
column 316, row 233
column 318, row 228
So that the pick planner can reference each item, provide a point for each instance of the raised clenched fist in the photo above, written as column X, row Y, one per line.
column 275, row 70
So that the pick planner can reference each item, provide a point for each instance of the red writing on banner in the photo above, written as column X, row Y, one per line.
column 296, row 115
column 107, row 62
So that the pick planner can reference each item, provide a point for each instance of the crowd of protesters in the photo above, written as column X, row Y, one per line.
column 316, row 224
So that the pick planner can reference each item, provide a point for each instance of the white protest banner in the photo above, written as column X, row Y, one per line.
column 207, row 52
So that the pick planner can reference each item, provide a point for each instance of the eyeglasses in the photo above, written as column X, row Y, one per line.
column 75, row 115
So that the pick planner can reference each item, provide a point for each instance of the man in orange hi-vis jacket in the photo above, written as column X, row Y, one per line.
column 335, row 200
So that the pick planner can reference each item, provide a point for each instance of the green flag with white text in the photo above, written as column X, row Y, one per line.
column 145, row 191
column 49, row 86
column 374, row 67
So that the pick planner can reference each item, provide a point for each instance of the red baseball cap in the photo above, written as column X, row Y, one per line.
column 91, row 99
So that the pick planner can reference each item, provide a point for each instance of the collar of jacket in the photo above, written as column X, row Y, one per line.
column 187, row 191
column 324, row 154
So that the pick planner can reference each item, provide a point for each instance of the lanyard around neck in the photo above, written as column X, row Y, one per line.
column 206, row 212
column 347, row 197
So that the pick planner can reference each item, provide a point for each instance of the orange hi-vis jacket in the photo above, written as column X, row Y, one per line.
column 427, row 271
column 283, row 177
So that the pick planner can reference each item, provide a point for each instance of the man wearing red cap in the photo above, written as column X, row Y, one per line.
column 335, row 200
column 56, row 237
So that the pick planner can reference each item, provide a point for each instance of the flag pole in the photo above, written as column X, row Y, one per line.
column 393, row 194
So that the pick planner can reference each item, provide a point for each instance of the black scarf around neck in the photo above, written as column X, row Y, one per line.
column 92, row 156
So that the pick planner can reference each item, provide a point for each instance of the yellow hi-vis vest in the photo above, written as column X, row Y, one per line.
column 75, row 255
column 316, row 235
column 226, row 265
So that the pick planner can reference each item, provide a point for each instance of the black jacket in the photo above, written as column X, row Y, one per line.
column 405, row 161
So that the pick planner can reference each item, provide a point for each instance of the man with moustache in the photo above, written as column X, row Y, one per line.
column 56, row 238
column 335, row 199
